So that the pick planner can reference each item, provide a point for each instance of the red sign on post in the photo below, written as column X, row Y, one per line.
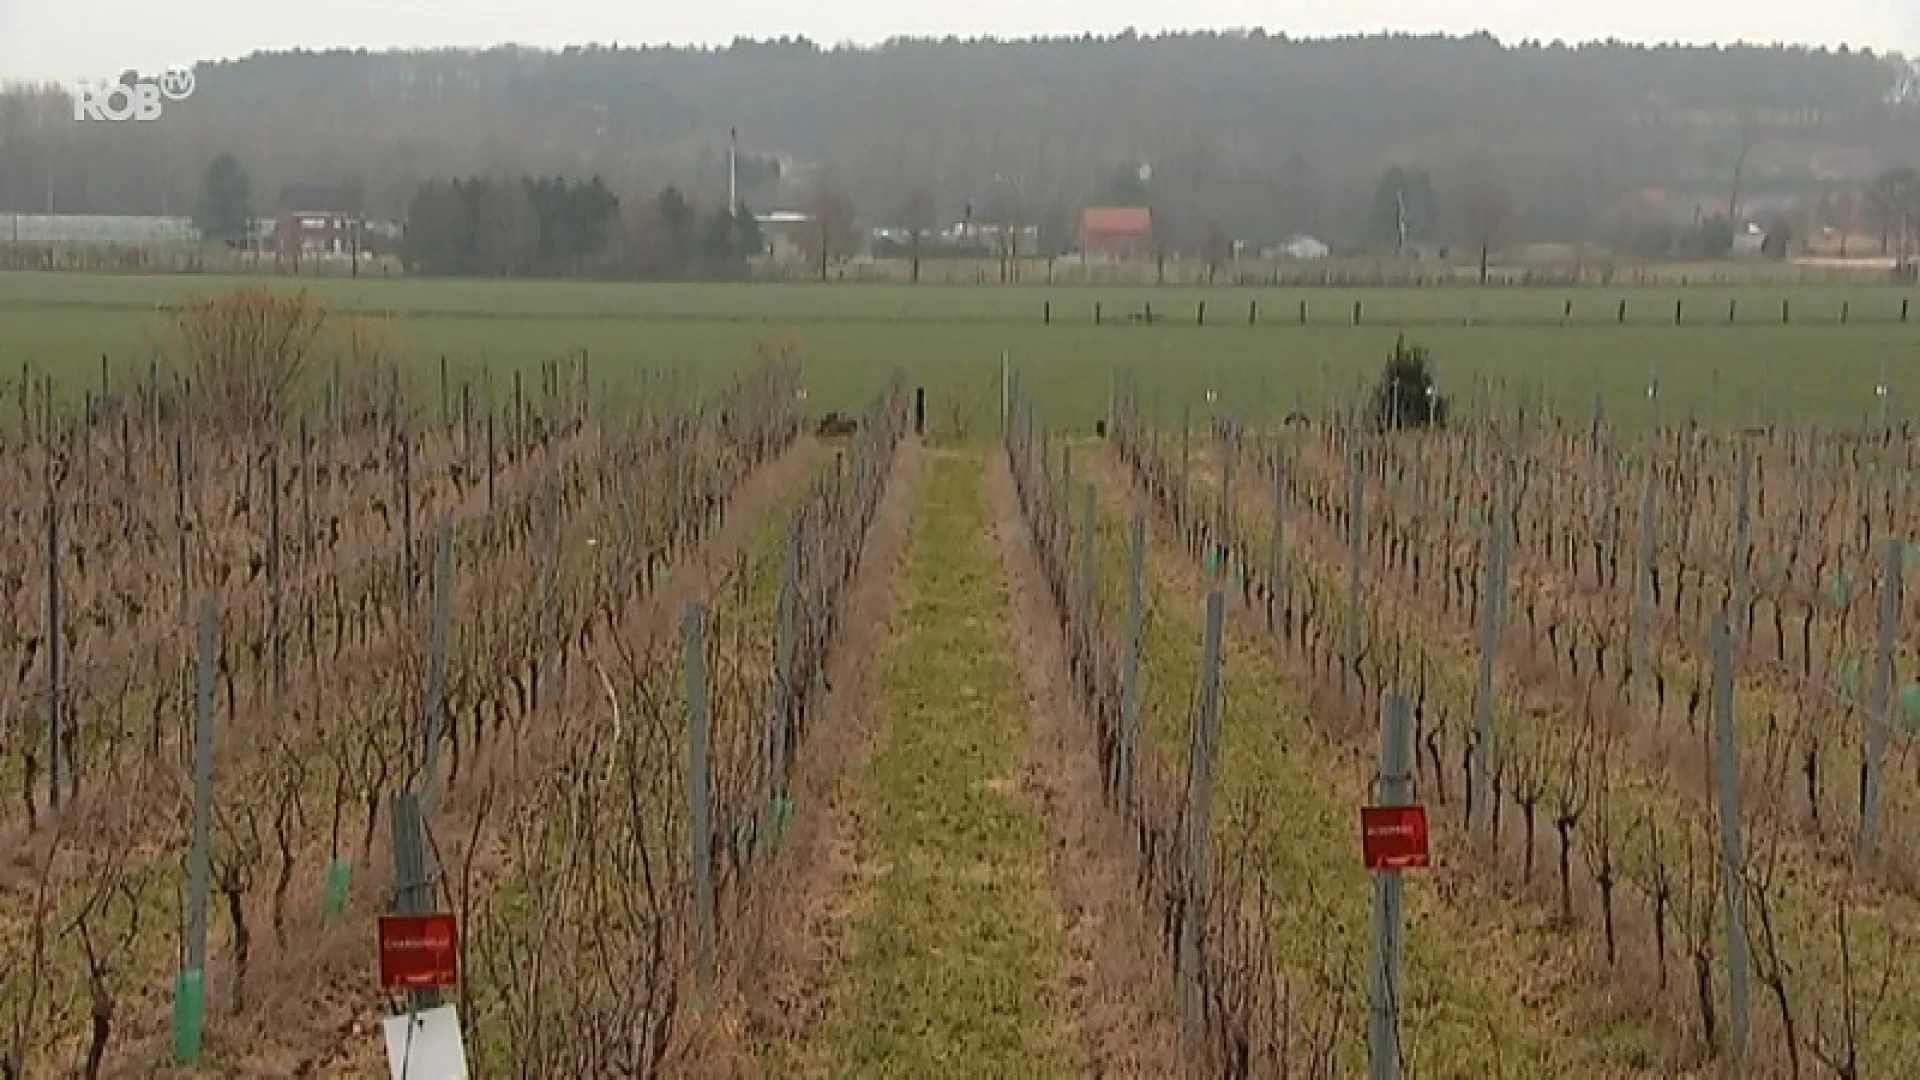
column 1394, row 837
column 419, row 952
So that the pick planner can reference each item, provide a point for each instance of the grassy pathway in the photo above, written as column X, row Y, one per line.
column 956, row 940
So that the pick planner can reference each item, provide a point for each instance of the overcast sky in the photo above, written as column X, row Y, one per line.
column 68, row 39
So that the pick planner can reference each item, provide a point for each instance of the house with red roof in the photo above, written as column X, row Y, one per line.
column 1116, row 232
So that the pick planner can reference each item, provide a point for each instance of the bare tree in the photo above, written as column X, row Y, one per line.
column 1218, row 249
column 1893, row 206
column 1486, row 209
column 918, row 217
column 834, row 228
column 1748, row 127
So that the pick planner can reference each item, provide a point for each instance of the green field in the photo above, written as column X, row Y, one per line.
column 949, row 339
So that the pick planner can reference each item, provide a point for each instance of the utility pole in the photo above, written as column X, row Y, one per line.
column 1400, row 220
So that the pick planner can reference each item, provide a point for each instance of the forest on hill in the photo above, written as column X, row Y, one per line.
column 1242, row 134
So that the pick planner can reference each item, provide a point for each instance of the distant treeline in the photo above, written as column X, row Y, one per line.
column 557, row 227
column 1248, row 136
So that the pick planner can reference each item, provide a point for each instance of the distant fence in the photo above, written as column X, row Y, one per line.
column 1513, row 296
column 114, row 258
column 1380, row 313
column 1070, row 272
column 1885, row 308
column 1383, row 310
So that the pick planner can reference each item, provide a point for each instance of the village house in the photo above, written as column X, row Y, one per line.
column 788, row 234
column 317, row 222
column 1116, row 232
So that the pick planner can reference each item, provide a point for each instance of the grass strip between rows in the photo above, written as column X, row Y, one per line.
column 957, row 943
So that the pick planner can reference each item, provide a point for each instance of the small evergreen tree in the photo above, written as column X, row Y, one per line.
column 1406, row 395
column 1779, row 240
column 752, row 244
column 717, row 247
column 225, row 212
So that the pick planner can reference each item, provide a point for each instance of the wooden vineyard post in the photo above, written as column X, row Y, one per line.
column 1393, row 837
column 1063, row 516
column 492, row 466
column 306, row 495
column 1088, row 547
column 180, row 524
column 1130, row 660
column 1186, row 466
column 547, row 695
column 1726, row 767
column 1223, row 535
column 1047, row 481
column 153, row 407
column 1350, row 652
column 333, row 893
column 1007, row 391
column 549, row 403
column 1742, row 541
column 586, row 387
column 784, row 652
column 820, row 622
column 1880, row 713
column 126, row 450
column 1641, row 657
column 518, row 428
column 1113, row 393
column 436, row 710
column 1203, row 746
column 82, row 433
column 276, row 639
column 1276, row 593
column 1606, row 517
column 412, row 881
column 1417, row 469
column 335, row 405
column 1492, row 611
column 1028, row 442
column 699, row 805
column 407, row 556
column 189, row 990
column 414, row 874
column 392, row 415
column 56, row 648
